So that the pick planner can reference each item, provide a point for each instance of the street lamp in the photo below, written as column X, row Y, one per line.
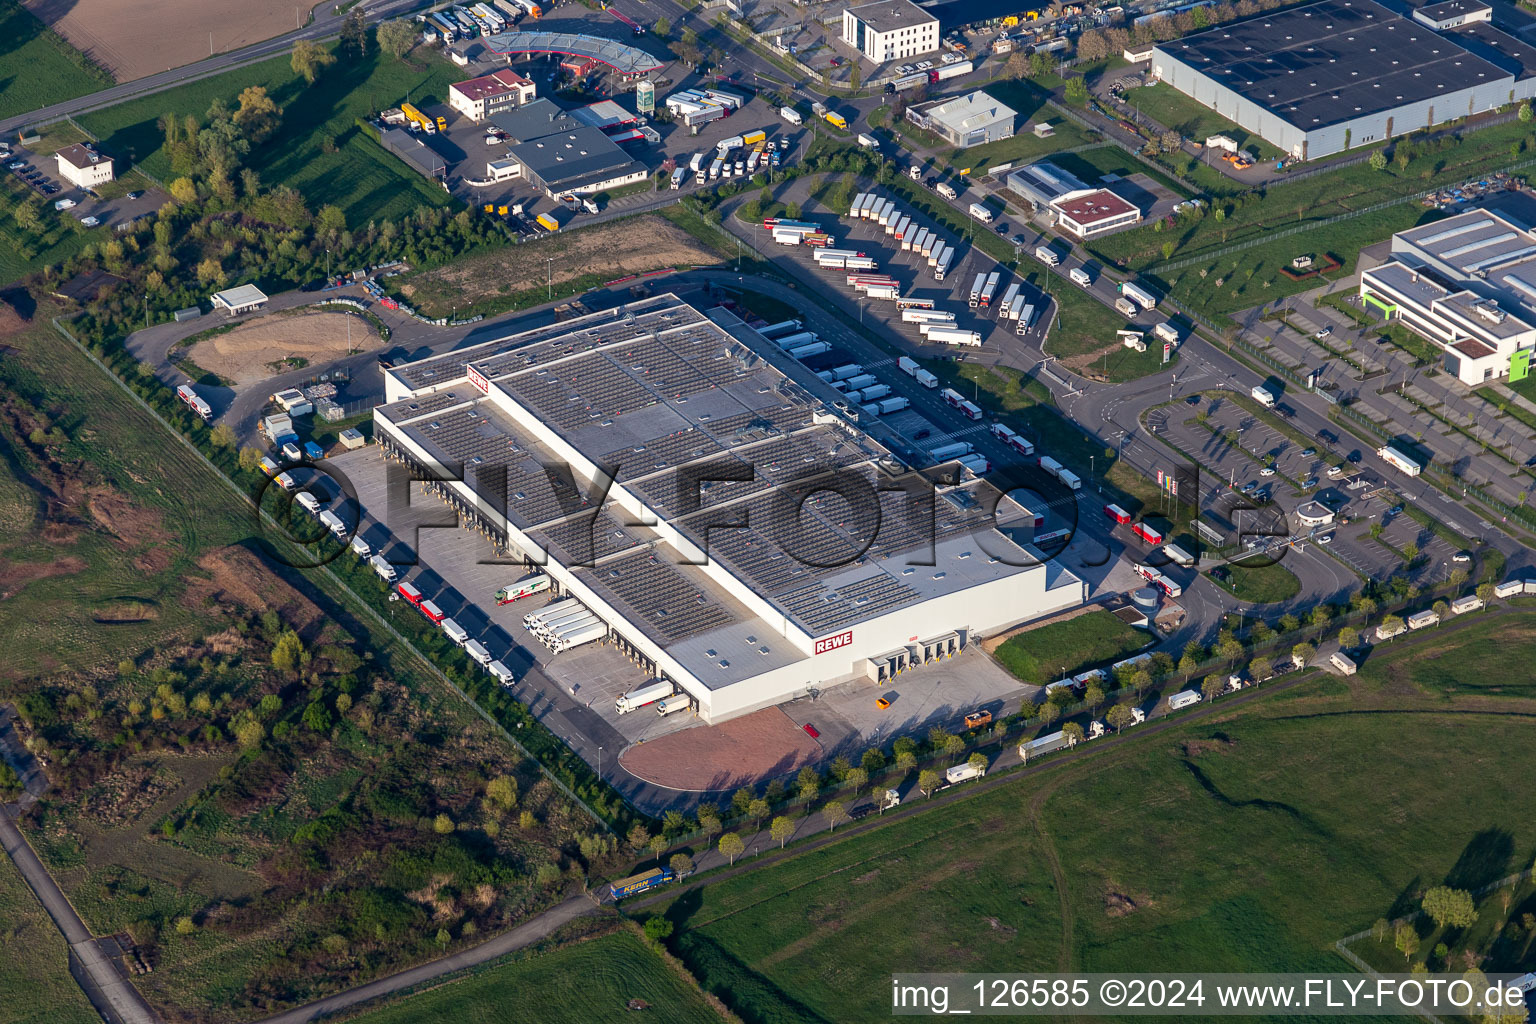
column 549, row 272
column 599, row 764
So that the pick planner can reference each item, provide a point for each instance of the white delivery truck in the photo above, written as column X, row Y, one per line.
column 791, row 115
column 500, row 673
column 634, row 700
column 981, row 213
column 386, row 571
column 963, row 773
column 946, row 190
column 360, row 547
column 671, row 705
column 1263, row 396
column 455, row 632
column 477, row 653
column 1183, row 699
column 1080, row 276
column 333, row 522
column 1045, row 254
column 868, row 142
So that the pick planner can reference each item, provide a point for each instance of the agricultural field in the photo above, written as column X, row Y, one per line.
column 496, row 280
column 590, row 982
column 35, row 984
column 269, row 798
column 1067, row 647
column 318, row 149
column 1247, row 842
column 37, row 67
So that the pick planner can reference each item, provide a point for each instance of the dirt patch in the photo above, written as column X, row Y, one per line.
column 134, row 38
column 1118, row 904
column 634, row 247
column 130, row 523
column 16, row 575
column 742, row 752
column 1082, row 365
column 239, row 577
column 125, row 611
column 273, row 344
column 1216, row 745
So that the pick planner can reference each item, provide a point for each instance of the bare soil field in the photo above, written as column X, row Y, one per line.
column 742, row 752
column 254, row 351
column 634, row 246
column 135, row 38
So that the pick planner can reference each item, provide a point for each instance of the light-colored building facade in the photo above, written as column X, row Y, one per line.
column 890, row 30
column 83, row 167
column 1467, row 284
column 479, row 98
column 245, row 298
column 786, row 599
column 965, row 121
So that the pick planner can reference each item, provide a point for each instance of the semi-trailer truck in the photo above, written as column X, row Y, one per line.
column 976, row 287
column 989, row 289
column 953, row 450
column 636, row 699
column 941, row 267
column 953, row 336
column 1143, row 297
column 526, row 587
column 591, row 634
column 910, row 367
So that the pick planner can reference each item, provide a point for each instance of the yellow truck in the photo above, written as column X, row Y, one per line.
column 837, row 121
column 547, row 222
column 754, row 138
column 415, row 116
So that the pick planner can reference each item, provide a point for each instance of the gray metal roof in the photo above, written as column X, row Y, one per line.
column 1323, row 63
column 572, row 159
column 889, row 15
column 625, row 59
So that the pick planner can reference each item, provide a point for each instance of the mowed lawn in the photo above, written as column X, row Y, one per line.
column 591, row 982
column 37, row 67
column 35, row 986
column 357, row 174
column 1065, row 648
column 1438, row 666
column 1245, row 843
column 1260, row 584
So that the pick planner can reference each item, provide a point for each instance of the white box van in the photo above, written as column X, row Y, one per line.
column 286, row 481
column 308, row 502
column 333, row 523
column 671, row 705
column 477, row 652
column 455, row 632
column 360, row 547
column 500, row 673
column 384, row 569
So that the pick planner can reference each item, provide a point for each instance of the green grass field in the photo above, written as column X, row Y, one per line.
column 37, row 67
column 1245, row 843
column 35, row 986
column 590, row 982
column 1065, row 648
column 358, row 174
column 1086, row 327
column 1438, row 666
column 23, row 250
column 1266, row 584
column 1191, row 119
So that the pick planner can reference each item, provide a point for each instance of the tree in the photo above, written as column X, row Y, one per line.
column 977, row 761
column 1213, row 686
column 502, row 791
column 1378, row 161
column 1525, row 112
column 1289, row 623
column 906, row 760
column 1381, row 929
column 1407, row 941
column 1140, row 681
column 288, row 653
column 1187, row 665
column 929, row 780
column 1442, row 609
column 1410, row 551
column 661, row 28
column 397, row 38
column 1093, row 696
column 757, row 810
column 954, row 746
column 1349, row 637
column 1449, row 907
column 354, row 32
column 853, row 74
column 658, row 928
column 1319, row 617
column 856, row 780
column 442, row 824
column 1077, row 90
column 258, row 116
column 1485, row 592
column 709, row 819
column 209, row 272
column 249, row 734
column 1392, row 623
column 681, row 864
column 1458, row 577
column 183, row 190
column 1260, row 668
column 1072, row 733
column 1048, row 713
column 741, row 800
column 731, row 846
column 1017, row 65
column 309, row 59
column 835, row 813
column 781, row 828
column 1228, row 649
column 808, row 783
column 1119, row 717
column 1303, row 653
column 658, row 846
column 639, row 838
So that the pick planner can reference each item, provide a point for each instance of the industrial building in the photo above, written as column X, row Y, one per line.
column 1318, row 78
column 560, row 154
column 1080, row 209
column 481, row 97
column 1467, row 284
column 890, row 30
column 968, row 120
column 83, row 167
column 414, row 150
column 780, row 554
column 245, row 298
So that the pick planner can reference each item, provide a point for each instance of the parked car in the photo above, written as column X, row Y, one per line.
column 811, row 731
column 135, row 195
column 1192, row 400
column 1462, row 557
column 16, row 165
column 1326, row 538
column 1309, row 483
column 1307, row 453
column 1324, row 332
column 1002, row 228
column 90, row 222
column 1267, row 471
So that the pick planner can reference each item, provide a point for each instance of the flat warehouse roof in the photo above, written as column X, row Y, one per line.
column 720, row 446
column 1095, row 207
column 1324, row 63
column 889, row 15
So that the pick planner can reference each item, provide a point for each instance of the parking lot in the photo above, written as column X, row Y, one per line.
column 108, row 206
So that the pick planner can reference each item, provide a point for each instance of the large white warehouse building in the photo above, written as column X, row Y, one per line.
column 720, row 555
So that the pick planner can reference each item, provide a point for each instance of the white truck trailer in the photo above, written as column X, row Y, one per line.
column 636, row 699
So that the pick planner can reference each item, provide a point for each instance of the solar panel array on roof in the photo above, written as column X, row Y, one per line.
column 668, row 605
